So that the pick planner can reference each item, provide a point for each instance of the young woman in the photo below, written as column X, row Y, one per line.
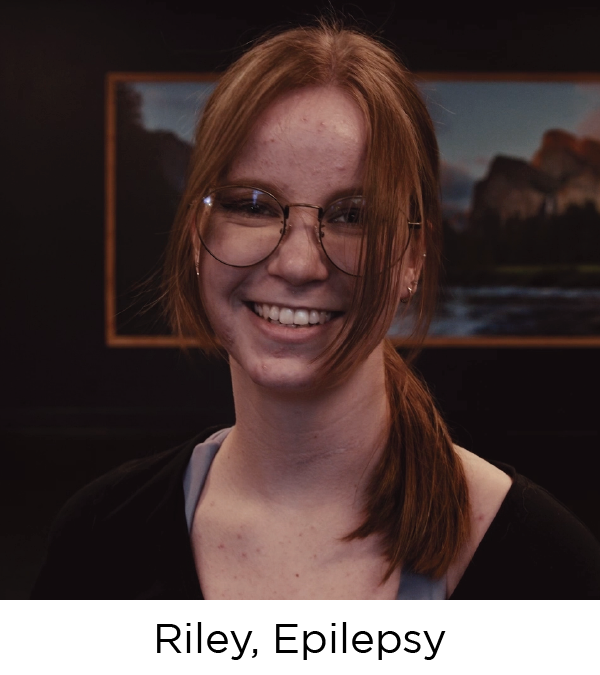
column 311, row 214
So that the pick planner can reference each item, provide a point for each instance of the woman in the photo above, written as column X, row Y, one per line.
column 311, row 214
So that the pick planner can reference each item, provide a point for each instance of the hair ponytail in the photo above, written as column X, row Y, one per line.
column 417, row 498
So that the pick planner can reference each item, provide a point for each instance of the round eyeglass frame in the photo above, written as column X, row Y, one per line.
column 285, row 209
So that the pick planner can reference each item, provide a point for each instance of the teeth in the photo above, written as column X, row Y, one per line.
column 301, row 317
column 286, row 316
column 291, row 317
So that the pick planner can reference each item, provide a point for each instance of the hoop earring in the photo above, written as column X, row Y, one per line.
column 404, row 301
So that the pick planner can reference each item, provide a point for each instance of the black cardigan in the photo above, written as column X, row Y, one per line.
column 125, row 536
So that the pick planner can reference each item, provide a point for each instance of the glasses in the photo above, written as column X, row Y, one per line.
column 241, row 226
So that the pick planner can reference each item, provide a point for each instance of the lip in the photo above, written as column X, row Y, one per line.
column 288, row 334
column 249, row 303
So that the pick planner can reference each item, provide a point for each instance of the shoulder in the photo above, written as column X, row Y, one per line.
column 488, row 487
column 534, row 548
column 120, row 489
column 113, row 524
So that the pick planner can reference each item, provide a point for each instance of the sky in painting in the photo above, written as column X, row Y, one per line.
column 173, row 106
column 475, row 121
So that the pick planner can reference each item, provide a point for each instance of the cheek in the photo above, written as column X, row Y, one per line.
column 215, row 280
column 208, row 290
column 212, row 294
column 217, row 285
column 214, row 306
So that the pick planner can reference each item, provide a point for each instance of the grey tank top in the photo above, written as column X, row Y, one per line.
column 412, row 586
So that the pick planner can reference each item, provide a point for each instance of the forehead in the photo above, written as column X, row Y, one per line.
column 307, row 137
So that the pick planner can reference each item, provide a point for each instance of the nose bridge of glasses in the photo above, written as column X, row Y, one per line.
column 319, row 209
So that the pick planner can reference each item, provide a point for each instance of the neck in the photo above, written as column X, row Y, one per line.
column 313, row 446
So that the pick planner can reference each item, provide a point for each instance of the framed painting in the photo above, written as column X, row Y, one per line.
column 150, row 123
column 520, row 161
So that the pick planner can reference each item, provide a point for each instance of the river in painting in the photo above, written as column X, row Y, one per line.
column 512, row 310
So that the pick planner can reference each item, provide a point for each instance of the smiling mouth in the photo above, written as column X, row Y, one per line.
column 295, row 318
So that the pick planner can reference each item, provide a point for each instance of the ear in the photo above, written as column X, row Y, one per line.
column 196, row 243
column 412, row 266
column 196, row 247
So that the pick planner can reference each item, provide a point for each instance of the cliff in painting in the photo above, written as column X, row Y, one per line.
column 533, row 223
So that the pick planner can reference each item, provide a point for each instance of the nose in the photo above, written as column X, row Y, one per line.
column 299, row 258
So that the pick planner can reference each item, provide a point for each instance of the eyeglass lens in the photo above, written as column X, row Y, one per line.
column 242, row 226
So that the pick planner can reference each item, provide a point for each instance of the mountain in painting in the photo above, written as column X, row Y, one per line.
column 151, row 170
column 513, row 188
column 575, row 163
column 533, row 223
column 563, row 173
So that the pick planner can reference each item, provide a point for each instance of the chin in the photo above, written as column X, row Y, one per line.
column 286, row 375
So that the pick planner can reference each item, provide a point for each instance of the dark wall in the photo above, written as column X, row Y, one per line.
column 71, row 408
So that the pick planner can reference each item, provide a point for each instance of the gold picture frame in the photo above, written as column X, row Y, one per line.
column 460, row 103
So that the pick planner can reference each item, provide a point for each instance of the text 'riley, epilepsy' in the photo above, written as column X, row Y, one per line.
column 339, row 640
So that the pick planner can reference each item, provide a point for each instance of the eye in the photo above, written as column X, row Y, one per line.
column 349, row 213
column 246, row 203
column 250, row 208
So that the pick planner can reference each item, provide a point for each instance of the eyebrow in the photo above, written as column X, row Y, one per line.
column 278, row 192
